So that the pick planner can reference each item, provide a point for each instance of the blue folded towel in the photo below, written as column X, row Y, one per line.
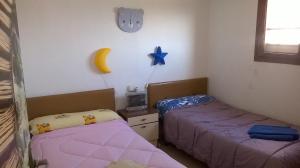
column 275, row 137
column 276, row 133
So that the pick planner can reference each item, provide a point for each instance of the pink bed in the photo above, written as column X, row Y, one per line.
column 96, row 146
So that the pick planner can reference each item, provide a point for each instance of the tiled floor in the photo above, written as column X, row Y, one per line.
column 182, row 157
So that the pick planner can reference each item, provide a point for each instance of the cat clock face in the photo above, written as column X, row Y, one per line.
column 130, row 20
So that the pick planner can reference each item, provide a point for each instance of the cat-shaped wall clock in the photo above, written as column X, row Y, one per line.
column 130, row 20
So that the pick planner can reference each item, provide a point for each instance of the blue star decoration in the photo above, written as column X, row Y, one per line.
column 159, row 56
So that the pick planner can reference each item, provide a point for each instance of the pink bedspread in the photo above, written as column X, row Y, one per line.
column 96, row 146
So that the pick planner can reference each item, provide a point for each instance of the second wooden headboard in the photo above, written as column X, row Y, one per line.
column 72, row 102
column 174, row 89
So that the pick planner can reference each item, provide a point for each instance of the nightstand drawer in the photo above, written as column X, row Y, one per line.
column 143, row 119
column 148, row 131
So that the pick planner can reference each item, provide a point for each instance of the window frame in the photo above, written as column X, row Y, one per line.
column 260, row 54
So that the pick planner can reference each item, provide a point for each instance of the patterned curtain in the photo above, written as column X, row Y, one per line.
column 14, row 135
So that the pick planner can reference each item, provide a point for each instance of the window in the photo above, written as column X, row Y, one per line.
column 278, row 32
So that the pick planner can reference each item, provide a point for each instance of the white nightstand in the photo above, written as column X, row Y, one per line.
column 144, row 122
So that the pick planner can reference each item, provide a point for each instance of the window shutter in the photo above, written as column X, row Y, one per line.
column 282, row 26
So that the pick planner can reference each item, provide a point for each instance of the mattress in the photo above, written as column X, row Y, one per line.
column 216, row 133
column 97, row 146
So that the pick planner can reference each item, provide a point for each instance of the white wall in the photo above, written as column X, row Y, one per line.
column 59, row 37
column 265, row 88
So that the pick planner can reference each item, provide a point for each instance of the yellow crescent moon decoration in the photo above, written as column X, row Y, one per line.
column 100, row 60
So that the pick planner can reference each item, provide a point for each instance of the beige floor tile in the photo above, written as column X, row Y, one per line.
column 182, row 157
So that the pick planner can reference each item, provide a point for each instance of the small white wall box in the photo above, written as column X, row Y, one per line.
column 136, row 101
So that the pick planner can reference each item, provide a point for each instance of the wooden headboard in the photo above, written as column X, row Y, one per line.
column 73, row 102
column 159, row 91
